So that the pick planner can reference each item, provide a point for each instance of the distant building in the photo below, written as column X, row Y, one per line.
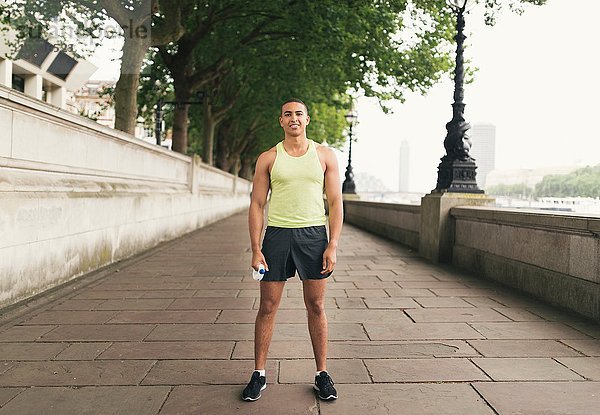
column 41, row 70
column 483, row 137
column 366, row 182
column 404, row 167
column 91, row 101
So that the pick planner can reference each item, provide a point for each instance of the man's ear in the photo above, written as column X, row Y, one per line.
column 307, row 119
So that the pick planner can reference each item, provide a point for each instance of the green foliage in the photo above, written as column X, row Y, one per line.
column 248, row 57
column 584, row 182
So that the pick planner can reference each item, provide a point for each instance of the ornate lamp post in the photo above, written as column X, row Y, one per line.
column 348, row 186
column 456, row 172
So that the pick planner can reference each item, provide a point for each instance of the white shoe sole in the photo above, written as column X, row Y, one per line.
column 259, row 395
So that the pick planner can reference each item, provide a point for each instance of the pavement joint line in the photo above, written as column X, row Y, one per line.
column 148, row 371
column 408, row 315
column 572, row 370
column 167, row 396
column 470, row 359
column 483, row 399
column 368, row 371
column 16, row 313
column 571, row 347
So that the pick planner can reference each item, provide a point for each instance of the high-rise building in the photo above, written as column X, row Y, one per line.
column 404, row 166
column 483, row 138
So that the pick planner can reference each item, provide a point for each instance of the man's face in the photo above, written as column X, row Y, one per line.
column 294, row 119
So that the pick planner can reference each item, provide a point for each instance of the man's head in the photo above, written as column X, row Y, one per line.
column 294, row 117
column 294, row 100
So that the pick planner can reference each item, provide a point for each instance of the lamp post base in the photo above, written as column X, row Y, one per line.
column 457, row 176
column 349, row 186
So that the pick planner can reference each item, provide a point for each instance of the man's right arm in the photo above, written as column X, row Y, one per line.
column 260, row 189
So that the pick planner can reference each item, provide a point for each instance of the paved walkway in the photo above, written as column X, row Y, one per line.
column 171, row 331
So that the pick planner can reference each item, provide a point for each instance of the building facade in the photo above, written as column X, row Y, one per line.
column 41, row 70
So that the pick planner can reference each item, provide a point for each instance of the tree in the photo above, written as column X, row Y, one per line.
column 144, row 23
column 584, row 182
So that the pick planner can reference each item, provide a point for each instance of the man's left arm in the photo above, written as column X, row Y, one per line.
column 333, row 190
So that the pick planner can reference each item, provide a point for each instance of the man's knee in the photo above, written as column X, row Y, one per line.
column 268, row 307
column 315, row 306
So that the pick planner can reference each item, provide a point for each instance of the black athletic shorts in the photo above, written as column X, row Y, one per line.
column 288, row 250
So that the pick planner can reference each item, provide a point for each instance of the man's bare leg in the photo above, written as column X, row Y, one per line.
column 270, row 296
column 314, row 299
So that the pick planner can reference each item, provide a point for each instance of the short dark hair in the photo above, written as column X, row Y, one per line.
column 296, row 100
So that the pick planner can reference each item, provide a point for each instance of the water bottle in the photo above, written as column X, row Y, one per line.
column 258, row 275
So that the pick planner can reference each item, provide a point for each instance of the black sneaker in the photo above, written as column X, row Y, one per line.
column 324, row 386
column 257, row 384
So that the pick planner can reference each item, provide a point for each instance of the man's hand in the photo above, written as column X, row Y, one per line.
column 329, row 259
column 258, row 258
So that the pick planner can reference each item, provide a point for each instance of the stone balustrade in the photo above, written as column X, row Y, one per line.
column 76, row 196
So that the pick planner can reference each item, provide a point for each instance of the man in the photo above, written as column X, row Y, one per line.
column 296, row 170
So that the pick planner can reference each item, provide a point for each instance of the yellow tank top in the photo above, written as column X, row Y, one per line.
column 296, row 190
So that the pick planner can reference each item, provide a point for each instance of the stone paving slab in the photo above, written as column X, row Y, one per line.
column 523, row 348
column 212, row 304
column 171, row 332
column 68, row 373
column 204, row 372
column 587, row 347
column 95, row 332
column 523, row 369
column 421, row 331
column 17, row 334
column 208, row 400
column 303, row 371
column 163, row 317
column 6, row 394
column 455, row 314
column 424, row 370
column 83, row 351
column 528, row 330
column 169, row 350
column 93, row 400
column 30, row 351
column 588, row 367
column 68, row 317
column 564, row 398
column 407, row 399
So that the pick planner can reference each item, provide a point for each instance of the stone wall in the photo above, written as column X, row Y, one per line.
column 400, row 223
column 76, row 196
column 551, row 256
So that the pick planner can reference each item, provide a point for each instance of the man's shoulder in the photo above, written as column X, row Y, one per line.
column 267, row 158
column 268, row 154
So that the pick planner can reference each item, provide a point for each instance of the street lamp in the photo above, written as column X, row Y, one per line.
column 160, row 112
column 456, row 172
column 348, row 186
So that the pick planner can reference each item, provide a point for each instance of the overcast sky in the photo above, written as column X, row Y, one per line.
column 537, row 82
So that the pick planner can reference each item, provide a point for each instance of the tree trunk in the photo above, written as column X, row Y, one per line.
column 180, row 118
column 235, row 164
column 209, row 126
column 247, row 169
column 134, row 50
column 222, row 158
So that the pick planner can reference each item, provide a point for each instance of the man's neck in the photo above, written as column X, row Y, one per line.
column 298, row 142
